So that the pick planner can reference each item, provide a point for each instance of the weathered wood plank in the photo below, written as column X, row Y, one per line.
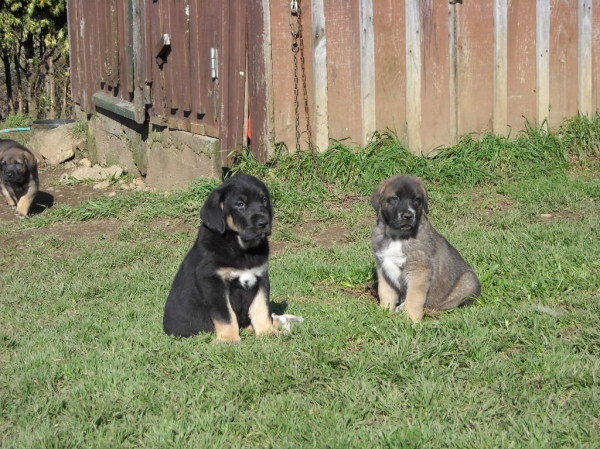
column 564, row 80
column 435, row 75
column 521, row 64
column 413, row 75
column 260, row 79
column 390, row 65
column 475, row 66
column 114, row 104
column 586, row 39
column 321, row 114
column 367, row 70
column 343, row 86
column 283, row 83
column 596, row 55
column 500, row 67
column 453, row 9
column 542, row 45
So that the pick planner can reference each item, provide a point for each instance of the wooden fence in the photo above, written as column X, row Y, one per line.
column 430, row 70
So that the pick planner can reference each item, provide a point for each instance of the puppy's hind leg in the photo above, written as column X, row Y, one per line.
column 466, row 289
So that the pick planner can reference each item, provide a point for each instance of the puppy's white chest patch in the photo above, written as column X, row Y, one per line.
column 392, row 260
column 247, row 277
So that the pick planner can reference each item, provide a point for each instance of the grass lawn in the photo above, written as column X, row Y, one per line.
column 84, row 361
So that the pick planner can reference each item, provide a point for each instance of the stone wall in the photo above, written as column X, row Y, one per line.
column 168, row 159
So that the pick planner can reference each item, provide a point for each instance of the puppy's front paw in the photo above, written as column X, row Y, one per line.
column 399, row 308
column 220, row 340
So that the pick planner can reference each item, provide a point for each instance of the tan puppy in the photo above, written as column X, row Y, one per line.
column 19, row 180
column 417, row 267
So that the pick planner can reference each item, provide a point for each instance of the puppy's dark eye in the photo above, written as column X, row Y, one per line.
column 417, row 201
column 265, row 200
column 393, row 199
column 240, row 204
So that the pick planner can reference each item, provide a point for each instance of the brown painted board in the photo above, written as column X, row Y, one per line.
column 174, row 65
column 596, row 56
column 155, row 13
column 199, row 60
column 122, row 49
column 73, row 17
column 128, row 48
column 342, row 19
column 435, row 75
column 521, row 102
column 213, row 16
column 91, row 37
column 283, row 71
column 475, row 71
column 390, row 65
column 232, row 110
column 563, row 60
column 182, row 59
column 108, row 27
column 146, row 30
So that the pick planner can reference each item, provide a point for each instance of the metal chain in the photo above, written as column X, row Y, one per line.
column 295, row 48
column 298, row 47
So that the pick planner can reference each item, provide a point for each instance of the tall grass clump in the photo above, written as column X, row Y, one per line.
column 581, row 136
column 16, row 121
column 472, row 161
column 534, row 152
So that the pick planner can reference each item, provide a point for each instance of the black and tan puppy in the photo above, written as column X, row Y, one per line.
column 19, row 180
column 223, row 283
column 417, row 267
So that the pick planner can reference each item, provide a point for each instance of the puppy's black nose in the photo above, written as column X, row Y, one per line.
column 10, row 175
column 262, row 222
column 407, row 215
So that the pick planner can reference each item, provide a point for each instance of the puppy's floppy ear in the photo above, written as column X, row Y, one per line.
column 211, row 212
column 425, row 195
column 376, row 197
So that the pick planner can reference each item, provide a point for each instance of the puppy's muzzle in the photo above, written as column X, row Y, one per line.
column 262, row 224
column 11, row 174
column 404, row 220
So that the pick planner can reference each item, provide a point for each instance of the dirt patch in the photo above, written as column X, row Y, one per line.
column 53, row 192
column 492, row 205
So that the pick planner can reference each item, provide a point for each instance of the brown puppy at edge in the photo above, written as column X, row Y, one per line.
column 19, row 180
column 417, row 267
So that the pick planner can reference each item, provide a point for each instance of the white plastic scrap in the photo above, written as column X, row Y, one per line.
column 285, row 321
